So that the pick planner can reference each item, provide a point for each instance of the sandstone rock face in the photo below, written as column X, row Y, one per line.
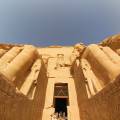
column 113, row 42
column 32, row 79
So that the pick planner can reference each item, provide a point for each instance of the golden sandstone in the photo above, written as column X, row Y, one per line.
column 80, row 82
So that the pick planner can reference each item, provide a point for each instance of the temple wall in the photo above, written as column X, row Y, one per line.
column 101, row 63
column 97, row 80
column 19, row 99
column 80, row 84
column 16, row 106
column 28, row 75
column 105, row 105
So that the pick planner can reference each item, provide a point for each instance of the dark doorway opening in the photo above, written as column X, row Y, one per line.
column 61, row 105
column 61, row 99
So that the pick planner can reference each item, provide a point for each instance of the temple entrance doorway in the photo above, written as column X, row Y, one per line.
column 61, row 99
column 61, row 106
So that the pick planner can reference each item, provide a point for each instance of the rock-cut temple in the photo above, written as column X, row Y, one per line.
column 80, row 82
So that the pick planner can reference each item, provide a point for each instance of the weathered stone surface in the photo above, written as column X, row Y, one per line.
column 112, row 41
column 28, row 76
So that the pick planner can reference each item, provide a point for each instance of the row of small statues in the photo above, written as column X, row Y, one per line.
column 58, row 116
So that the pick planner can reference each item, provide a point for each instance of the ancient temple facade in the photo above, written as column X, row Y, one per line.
column 81, row 82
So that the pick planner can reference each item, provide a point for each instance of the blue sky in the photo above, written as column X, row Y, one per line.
column 64, row 22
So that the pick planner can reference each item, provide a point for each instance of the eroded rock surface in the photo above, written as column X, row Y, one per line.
column 87, row 77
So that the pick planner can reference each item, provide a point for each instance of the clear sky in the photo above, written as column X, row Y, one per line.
column 64, row 22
